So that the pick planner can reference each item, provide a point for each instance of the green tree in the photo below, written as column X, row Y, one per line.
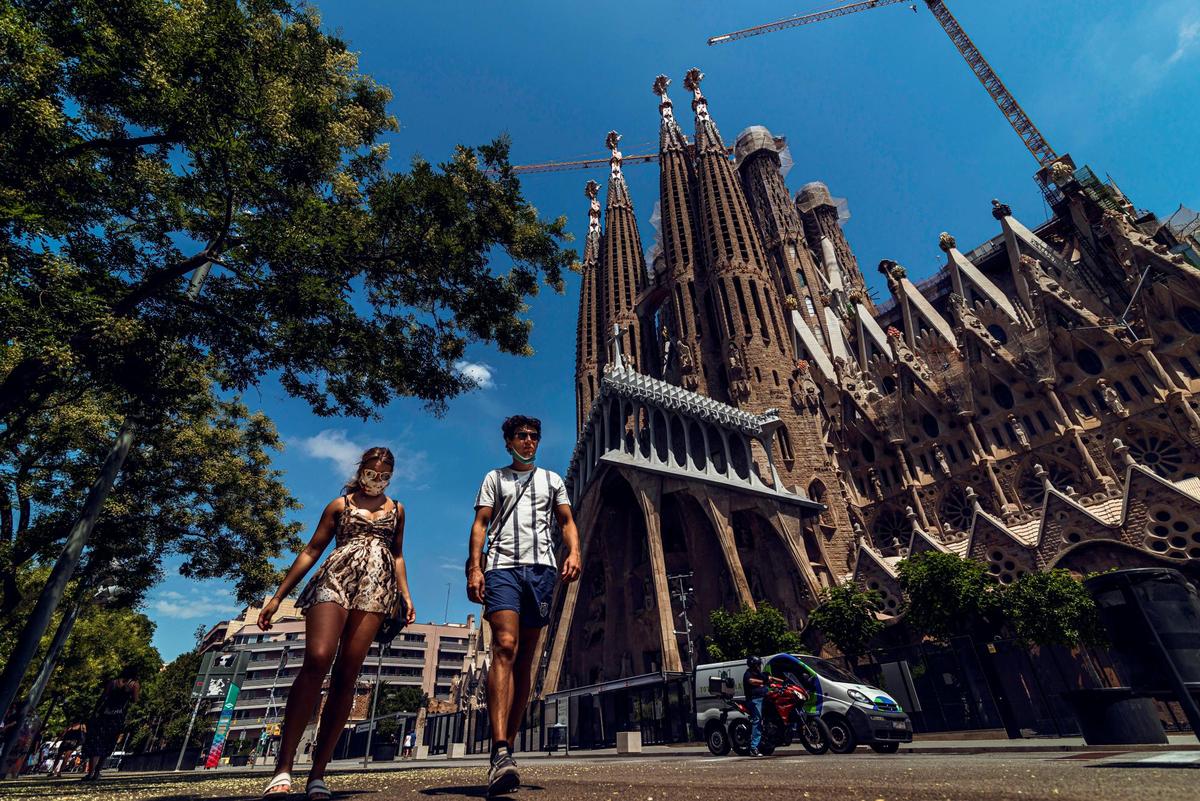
column 201, row 489
column 948, row 596
column 400, row 699
column 160, row 718
column 847, row 618
column 760, row 631
column 103, row 643
column 1052, row 608
column 146, row 139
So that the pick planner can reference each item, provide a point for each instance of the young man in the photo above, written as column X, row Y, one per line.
column 515, row 578
column 754, row 683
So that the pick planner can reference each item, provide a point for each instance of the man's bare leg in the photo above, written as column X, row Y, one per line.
column 522, row 680
column 505, row 628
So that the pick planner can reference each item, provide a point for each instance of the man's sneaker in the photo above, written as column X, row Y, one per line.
column 503, row 776
column 754, row 752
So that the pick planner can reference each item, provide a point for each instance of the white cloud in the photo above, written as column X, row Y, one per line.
column 209, row 605
column 480, row 373
column 1189, row 37
column 334, row 445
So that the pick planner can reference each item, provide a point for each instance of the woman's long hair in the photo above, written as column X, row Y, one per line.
column 370, row 454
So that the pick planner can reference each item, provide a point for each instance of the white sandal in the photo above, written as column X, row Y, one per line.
column 314, row 787
column 283, row 779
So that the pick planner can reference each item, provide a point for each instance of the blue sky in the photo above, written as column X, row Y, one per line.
column 878, row 105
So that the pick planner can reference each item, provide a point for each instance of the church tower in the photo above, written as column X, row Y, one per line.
column 741, row 310
column 622, row 270
column 690, row 364
column 589, row 339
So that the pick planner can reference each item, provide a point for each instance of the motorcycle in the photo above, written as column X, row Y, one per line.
column 785, row 719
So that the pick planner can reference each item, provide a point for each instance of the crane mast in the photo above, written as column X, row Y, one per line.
column 1008, row 105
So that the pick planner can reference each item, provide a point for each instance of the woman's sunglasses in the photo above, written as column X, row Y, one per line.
column 371, row 475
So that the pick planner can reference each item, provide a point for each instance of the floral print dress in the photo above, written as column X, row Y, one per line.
column 361, row 571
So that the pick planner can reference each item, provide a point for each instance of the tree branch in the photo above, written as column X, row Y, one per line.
column 129, row 143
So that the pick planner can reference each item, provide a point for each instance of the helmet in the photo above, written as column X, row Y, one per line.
column 753, row 662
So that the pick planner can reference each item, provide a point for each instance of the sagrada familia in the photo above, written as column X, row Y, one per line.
column 748, row 415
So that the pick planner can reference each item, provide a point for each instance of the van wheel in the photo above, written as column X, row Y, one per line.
column 842, row 739
column 885, row 748
column 739, row 736
column 717, row 739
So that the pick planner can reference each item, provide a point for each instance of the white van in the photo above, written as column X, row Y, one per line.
column 855, row 713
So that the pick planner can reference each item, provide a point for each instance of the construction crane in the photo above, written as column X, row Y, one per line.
column 588, row 164
column 1008, row 105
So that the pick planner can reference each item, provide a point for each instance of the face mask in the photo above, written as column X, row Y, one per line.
column 373, row 483
column 521, row 458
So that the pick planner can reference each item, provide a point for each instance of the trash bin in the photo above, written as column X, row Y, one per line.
column 1116, row 716
column 383, row 752
column 556, row 735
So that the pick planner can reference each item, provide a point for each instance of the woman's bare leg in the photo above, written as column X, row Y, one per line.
column 358, row 635
column 323, row 624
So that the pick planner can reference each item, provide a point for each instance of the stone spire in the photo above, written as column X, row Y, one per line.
column 589, row 342
column 790, row 262
column 678, row 214
column 622, row 265
column 744, row 307
column 823, row 229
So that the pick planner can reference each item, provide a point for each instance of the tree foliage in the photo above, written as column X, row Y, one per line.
column 145, row 139
column 200, row 488
column 847, row 618
column 760, row 631
column 160, row 718
column 102, row 644
column 949, row 596
column 1052, row 608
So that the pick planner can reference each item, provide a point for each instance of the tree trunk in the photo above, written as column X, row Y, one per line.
column 64, row 568
column 987, row 664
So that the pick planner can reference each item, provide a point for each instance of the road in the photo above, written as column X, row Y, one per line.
column 1087, row 776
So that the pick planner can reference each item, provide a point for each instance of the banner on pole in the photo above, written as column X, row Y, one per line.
column 223, row 724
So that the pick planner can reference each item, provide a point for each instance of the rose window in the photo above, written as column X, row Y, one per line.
column 1158, row 453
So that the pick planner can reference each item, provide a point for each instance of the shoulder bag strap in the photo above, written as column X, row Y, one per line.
column 497, row 524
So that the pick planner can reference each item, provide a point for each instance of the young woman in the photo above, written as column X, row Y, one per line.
column 344, row 604
column 108, row 720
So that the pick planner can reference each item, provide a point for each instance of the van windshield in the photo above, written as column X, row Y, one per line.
column 828, row 670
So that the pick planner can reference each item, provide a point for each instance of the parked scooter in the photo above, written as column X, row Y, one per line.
column 785, row 719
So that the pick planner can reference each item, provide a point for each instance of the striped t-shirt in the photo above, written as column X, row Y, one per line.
column 526, row 538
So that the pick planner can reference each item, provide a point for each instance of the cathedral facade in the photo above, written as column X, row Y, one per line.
column 753, row 424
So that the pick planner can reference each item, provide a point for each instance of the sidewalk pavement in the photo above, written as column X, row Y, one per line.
column 1175, row 742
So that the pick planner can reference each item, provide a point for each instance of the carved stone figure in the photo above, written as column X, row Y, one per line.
column 940, row 457
column 1111, row 399
column 876, row 484
column 1061, row 172
column 687, row 367
column 1018, row 431
column 946, row 242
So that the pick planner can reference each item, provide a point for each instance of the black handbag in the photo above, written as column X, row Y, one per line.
column 392, row 625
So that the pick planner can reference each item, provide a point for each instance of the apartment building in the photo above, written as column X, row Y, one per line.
column 429, row 656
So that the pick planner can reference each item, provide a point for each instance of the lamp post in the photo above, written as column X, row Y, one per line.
column 374, row 699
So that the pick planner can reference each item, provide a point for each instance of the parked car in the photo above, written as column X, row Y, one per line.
column 856, row 713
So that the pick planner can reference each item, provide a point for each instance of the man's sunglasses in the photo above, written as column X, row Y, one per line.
column 527, row 435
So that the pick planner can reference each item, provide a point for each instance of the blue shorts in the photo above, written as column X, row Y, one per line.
column 526, row 590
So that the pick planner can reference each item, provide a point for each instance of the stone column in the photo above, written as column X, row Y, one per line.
column 717, row 509
column 649, row 494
